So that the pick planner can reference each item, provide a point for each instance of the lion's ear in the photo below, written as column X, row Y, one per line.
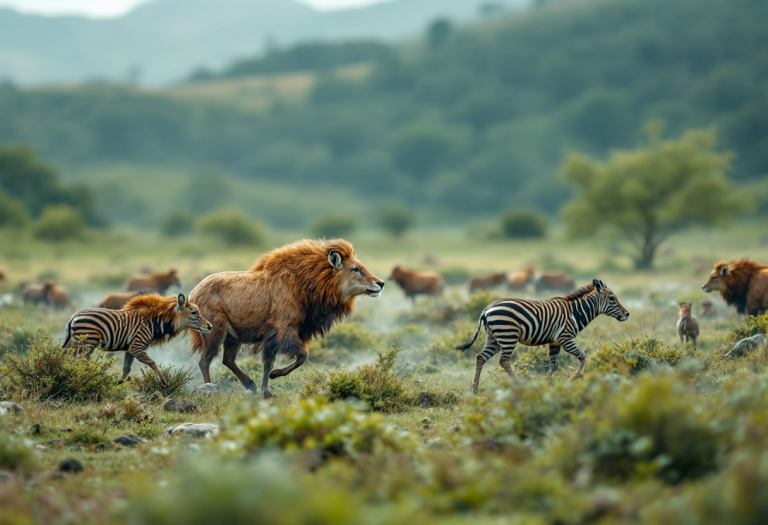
column 335, row 259
column 181, row 302
column 724, row 270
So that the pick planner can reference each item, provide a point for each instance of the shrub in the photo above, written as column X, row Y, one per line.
column 752, row 325
column 59, row 223
column 396, row 220
column 12, row 211
column 178, row 378
column 442, row 350
column 232, row 227
column 408, row 335
column 86, row 436
column 349, row 336
column 332, row 429
column 455, row 275
column 16, row 452
column 652, row 427
column 49, row 372
column 473, row 307
column 333, row 226
column 523, row 225
column 16, row 339
column 178, row 223
column 377, row 384
column 636, row 355
column 208, row 491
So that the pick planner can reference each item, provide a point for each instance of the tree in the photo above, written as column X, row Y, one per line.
column 333, row 226
column 438, row 33
column 58, row 223
column 233, row 228
column 396, row 220
column 523, row 224
column 654, row 191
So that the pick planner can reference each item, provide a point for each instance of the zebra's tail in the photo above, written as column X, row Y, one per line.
column 479, row 325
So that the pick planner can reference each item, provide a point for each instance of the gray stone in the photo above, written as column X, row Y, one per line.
column 207, row 389
column 5, row 476
column 197, row 430
column 71, row 465
column 11, row 407
column 746, row 345
column 129, row 440
column 184, row 406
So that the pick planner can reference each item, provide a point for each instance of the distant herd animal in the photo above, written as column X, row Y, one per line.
column 298, row 292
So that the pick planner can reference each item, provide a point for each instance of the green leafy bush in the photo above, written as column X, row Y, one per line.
column 332, row 429
column 16, row 452
column 12, row 212
column 636, row 355
column 752, row 325
column 455, row 275
column 475, row 305
column 442, row 350
column 523, row 224
column 335, row 348
column 178, row 378
column 651, row 427
column 59, row 223
column 16, row 339
column 377, row 384
column 333, row 226
column 178, row 223
column 49, row 372
column 232, row 227
column 396, row 220
column 87, row 436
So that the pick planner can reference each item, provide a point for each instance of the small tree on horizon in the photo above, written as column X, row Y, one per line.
column 396, row 220
column 650, row 193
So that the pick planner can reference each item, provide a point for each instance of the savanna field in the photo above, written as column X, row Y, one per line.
column 379, row 425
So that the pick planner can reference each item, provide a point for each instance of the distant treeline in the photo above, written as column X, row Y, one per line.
column 473, row 121
column 315, row 56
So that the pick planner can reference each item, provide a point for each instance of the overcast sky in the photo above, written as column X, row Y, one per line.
column 100, row 8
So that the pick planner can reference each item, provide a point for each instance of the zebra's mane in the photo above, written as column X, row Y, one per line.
column 581, row 292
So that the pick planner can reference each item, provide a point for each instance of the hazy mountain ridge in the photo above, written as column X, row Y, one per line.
column 164, row 40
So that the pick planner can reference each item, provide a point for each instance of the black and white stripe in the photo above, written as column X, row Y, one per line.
column 117, row 330
column 554, row 322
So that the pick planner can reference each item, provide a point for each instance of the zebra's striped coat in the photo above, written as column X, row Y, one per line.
column 146, row 320
column 555, row 322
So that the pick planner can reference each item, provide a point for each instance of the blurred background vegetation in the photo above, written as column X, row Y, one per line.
column 463, row 124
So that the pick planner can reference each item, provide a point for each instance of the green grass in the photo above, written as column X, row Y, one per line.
column 528, row 451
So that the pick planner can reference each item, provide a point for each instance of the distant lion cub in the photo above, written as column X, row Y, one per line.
column 687, row 325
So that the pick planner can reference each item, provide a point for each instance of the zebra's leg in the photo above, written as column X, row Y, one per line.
column 506, row 356
column 127, row 362
column 491, row 349
column 138, row 351
column 569, row 345
column 554, row 350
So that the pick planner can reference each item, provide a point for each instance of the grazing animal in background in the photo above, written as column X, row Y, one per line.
column 2, row 276
column 146, row 320
column 687, row 325
column 36, row 294
column 115, row 301
column 555, row 322
column 417, row 283
column 430, row 259
column 742, row 283
column 554, row 281
column 159, row 282
column 707, row 308
column 486, row 282
column 291, row 295
column 520, row 279
column 58, row 297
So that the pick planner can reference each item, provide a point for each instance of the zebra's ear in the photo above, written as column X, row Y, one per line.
column 598, row 285
column 182, row 301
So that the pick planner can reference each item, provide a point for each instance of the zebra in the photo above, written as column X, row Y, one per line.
column 554, row 322
column 146, row 320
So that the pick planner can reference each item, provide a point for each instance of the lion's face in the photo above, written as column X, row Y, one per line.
column 716, row 278
column 354, row 278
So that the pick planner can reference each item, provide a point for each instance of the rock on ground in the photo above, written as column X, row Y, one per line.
column 129, row 440
column 193, row 430
column 207, row 389
column 10, row 407
column 71, row 465
column 185, row 406
column 746, row 345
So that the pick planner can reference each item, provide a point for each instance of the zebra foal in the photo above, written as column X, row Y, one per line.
column 555, row 322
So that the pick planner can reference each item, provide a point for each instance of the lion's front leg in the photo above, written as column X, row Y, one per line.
column 291, row 345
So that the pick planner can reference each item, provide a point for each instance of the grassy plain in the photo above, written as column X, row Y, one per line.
column 652, row 431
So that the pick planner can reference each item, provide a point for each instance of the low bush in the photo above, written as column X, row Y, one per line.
column 49, row 372
column 407, row 336
column 16, row 339
column 752, row 325
column 396, row 220
column 59, row 223
column 454, row 275
column 348, row 336
column 16, row 452
column 475, row 305
column 87, row 436
column 636, row 355
column 178, row 377
column 233, row 228
column 333, row 226
column 330, row 429
column 523, row 224
column 442, row 350
column 378, row 384
column 650, row 427
column 178, row 223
